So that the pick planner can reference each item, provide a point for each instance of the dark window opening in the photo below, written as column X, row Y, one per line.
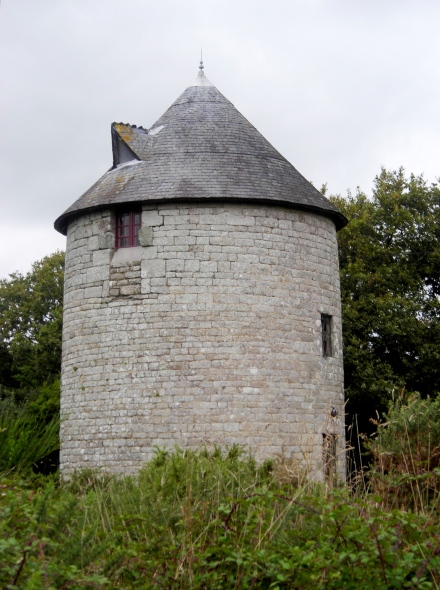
column 329, row 456
column 326, row 330
column 127, row 229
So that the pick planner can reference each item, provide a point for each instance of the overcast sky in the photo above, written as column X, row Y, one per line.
column 339, row 87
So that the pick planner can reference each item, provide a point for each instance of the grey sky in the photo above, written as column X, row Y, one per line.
column 339, row 87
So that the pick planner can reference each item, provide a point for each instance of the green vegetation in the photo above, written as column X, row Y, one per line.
column 30, row 357
column 406, row 454
column 204, row 520
column 31, row 309
column 208, row 519
column 25, row 437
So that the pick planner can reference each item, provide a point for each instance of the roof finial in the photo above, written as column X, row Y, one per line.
column 201, row 66
column 201, row 79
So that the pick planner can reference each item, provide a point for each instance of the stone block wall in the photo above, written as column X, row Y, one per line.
column 208, row 333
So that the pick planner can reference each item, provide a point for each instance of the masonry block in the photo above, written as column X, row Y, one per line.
column 153, row 268
column 145, row 236
column 151, row 218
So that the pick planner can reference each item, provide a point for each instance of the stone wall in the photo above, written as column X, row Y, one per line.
column 211, row 333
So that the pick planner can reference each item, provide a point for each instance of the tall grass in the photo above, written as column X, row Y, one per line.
column 405, row 452
column 24, row 438
column 175, row 485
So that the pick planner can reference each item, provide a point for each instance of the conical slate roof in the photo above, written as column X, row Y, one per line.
column 201, row 149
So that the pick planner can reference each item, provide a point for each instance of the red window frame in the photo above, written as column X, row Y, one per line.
column 128, row 224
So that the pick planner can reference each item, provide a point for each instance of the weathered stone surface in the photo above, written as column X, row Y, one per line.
column 151, row 218
column 215, row 339
column 145, row 236
column 105, row 240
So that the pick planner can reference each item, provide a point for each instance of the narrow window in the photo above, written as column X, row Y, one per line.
column 326, row 330
column 128, row 224
column 329, row 456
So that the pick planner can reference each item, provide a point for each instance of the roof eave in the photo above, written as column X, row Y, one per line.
column 340, row 221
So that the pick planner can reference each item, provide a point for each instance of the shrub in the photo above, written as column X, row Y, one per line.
column 208, row 520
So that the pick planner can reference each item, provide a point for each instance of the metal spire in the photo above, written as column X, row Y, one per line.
column 201, row 79
column 201, row 66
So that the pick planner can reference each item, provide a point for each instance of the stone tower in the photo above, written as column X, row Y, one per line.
column 202, row 299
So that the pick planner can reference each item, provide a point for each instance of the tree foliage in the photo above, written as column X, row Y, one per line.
column 30, row 324
column 390, row 281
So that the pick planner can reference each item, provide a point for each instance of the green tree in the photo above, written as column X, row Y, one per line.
column 30, row 325
column 390, row 282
